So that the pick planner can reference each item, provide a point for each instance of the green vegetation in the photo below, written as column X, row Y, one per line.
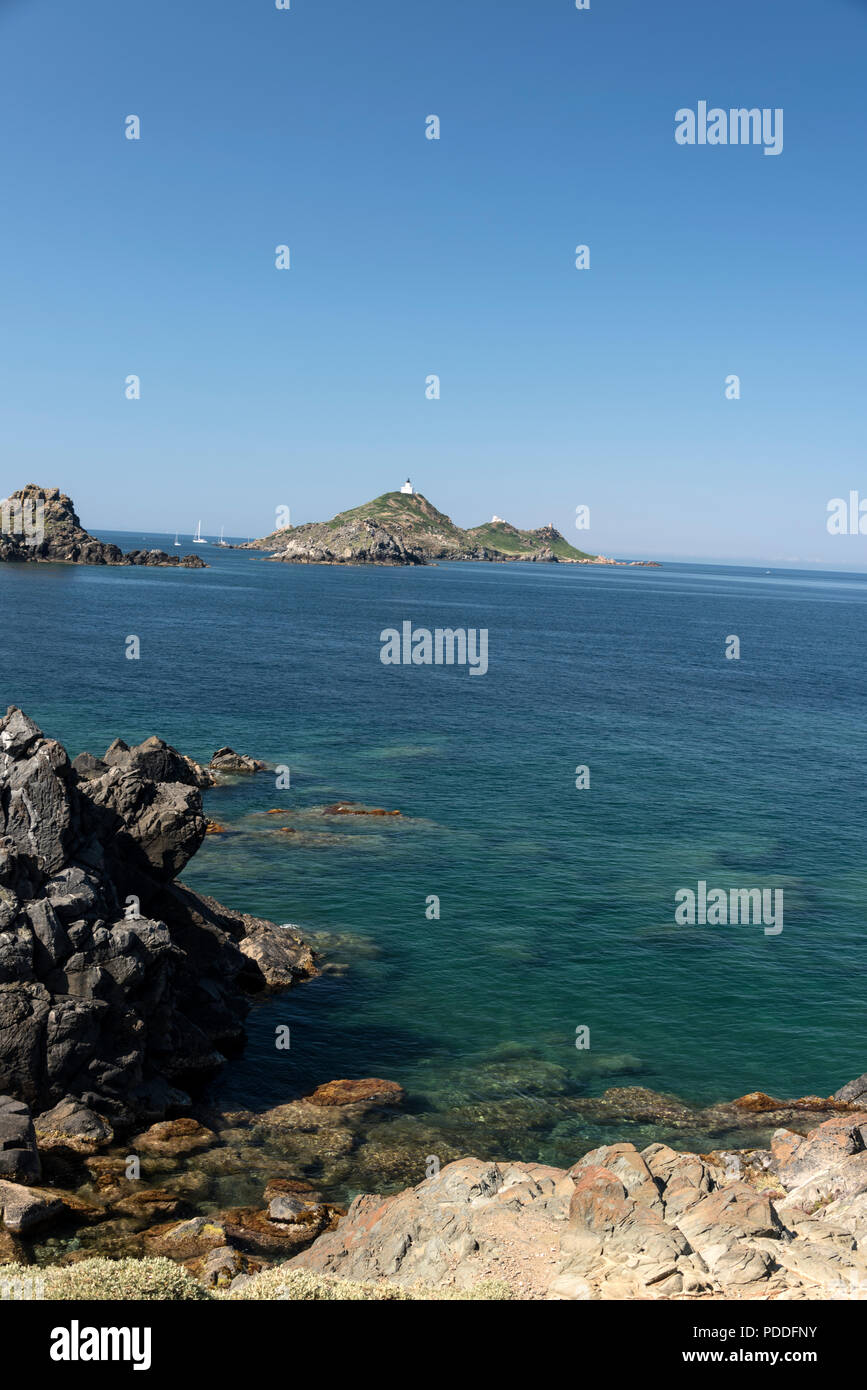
column 413, row 514
column 151, row 1279
column 508, row 540
column 295, row 1285
column 420, row 527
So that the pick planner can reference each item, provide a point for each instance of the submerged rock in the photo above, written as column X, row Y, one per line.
column 369, row 1091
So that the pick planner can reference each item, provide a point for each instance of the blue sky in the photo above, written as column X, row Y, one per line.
column 410, row 257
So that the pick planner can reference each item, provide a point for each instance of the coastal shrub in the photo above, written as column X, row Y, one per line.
column 157, row 1278
column 294, row 1285
column 101, row 1278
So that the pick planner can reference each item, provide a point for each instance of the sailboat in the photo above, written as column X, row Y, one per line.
column 177, row 542
column 225, row 544
column 198, row 538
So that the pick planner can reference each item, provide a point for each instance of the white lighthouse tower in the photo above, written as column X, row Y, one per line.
column 408, row 488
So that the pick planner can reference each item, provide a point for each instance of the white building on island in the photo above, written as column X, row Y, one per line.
column 408, row 488
column 495, row 519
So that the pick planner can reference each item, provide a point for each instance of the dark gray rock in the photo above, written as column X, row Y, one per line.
column 72, row 1125
column 227, row 760
column 118, row 988
column 19, row 1157
column 59, row 536
column 86, row 765
column 854, row 1092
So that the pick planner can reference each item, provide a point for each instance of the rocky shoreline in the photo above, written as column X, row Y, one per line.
column 40, row 524
column 123, row 992
column 783, row 1218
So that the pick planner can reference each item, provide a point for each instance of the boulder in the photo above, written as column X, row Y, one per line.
column 227, row 760
column 370, row 1090
column 71, row 1125
column 22, row 1208
column 174, row 1138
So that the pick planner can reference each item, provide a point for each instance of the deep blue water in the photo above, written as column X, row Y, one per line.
column 557, row 904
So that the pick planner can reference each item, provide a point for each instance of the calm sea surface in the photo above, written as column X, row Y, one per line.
column 557, row 904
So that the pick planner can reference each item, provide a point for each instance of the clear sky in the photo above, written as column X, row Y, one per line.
column 456, row 257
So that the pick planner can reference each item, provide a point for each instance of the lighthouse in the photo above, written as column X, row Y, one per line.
column 408, row 488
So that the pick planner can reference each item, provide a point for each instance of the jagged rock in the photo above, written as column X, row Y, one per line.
column 158, row 762
column 40, row 523
column 119, row 988
column 854, row 1092
column 86, row 765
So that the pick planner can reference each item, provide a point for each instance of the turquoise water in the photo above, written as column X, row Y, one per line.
column 557, row 904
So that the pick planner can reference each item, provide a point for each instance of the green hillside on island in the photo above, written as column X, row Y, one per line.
column 404, row 528
column 502, row 536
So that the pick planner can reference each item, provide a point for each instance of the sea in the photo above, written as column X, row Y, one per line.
column 511, row 935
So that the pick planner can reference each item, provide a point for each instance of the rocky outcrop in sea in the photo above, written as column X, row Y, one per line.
column 406, row 529
column 358, row 542
column 120, row 988
column 40, row 524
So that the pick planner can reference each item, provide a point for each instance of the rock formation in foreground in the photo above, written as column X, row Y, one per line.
column 789, row 1222
column 40, row 523
column 119, row 987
